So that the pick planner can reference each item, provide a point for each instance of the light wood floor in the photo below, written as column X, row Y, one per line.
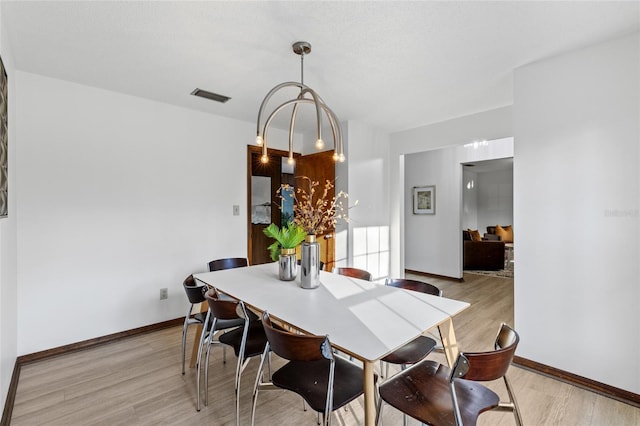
column 137, row 381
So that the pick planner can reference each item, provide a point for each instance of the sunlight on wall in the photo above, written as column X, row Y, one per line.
column 371, row 250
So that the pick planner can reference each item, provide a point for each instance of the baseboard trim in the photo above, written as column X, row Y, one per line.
column 427, row 274
column 582, row 382
column 85, row 344
column 11, row 396
column 73, row 347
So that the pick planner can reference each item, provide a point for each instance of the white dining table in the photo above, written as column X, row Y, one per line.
column 363, row 319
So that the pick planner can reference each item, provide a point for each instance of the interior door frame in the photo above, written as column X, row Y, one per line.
column 251, row 150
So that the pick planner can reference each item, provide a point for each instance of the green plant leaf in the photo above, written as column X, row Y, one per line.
column 288, row 237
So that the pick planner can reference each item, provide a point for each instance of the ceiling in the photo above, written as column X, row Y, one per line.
column 490, row 166
column 394, row 65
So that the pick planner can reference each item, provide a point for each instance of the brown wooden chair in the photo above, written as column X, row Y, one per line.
column 247, row 341
column 434, row 394
column 195, row 297
column 324, row 381
column 354, row 273
column 228, row 263
column 420, row 347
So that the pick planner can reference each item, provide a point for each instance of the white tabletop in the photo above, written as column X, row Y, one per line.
column 364, row 319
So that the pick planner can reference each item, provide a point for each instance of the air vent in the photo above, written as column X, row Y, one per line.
column 210, row 95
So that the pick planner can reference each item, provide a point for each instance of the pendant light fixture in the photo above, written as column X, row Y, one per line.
column 306, row 96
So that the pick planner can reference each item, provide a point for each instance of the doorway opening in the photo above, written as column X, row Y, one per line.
column 265, row 206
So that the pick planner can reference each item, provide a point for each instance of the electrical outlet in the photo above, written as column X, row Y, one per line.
column 236, row 210
column 164, row 293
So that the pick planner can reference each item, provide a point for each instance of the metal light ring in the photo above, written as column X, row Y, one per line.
column 291, row 126
column 337, row 137
column 270, row 94
column 308, row 89
column 286, row 104
column 318, row 101
column 333, row 121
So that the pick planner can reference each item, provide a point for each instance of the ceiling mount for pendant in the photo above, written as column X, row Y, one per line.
column 306, row 96
column 301, row 48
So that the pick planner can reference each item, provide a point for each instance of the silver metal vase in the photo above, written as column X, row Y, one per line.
column 310, row 263
column 288, row 265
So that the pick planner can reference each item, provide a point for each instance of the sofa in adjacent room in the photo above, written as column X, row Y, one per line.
column 500, row 233
column 482, row 254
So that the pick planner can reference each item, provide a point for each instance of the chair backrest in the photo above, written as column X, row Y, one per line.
column 490, row 365
column 221, row 309
column 194, row 291
column 354, row 273
column 414, row 285
column 296, row 347
column 228, row 263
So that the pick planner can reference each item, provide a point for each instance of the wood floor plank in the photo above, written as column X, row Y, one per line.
column 137, row 381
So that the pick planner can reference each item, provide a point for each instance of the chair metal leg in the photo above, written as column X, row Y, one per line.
column 206, row 370
column 260, row 383
column 512, row 400
column 405, row 420
column 256, row 389
column 184, row 335
column 238, row 400
column 379, row 412
column 203, row 335
column 184, row 342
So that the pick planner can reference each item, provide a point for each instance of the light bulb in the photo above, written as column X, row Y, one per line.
column 319, row 144
column 336, row 157
column 341, row 158
column 259, row 140
column 264, row 159
column 291, row 161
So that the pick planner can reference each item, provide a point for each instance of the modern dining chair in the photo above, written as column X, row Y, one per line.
column 437, row 395
column 247, row 341
column 195, row 294
column 324, row 381
column 195, row 297
column 227, row 263
column 420, row 347
column 354, row 273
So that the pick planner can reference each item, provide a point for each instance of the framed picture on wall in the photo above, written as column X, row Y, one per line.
column 424, row 199
column 4, row 143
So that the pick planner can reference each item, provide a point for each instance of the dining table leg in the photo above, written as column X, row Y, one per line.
column 369, row 393
column 449, row 343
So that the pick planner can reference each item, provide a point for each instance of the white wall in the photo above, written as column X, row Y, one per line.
column 8, row 243
column 495, row 199
column 368, row 183
column 428, row 237
column 118, row 197
column 469, row 199
column 576, row 178
column 486, row 125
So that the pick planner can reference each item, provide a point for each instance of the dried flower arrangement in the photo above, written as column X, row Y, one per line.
column 312, row 209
